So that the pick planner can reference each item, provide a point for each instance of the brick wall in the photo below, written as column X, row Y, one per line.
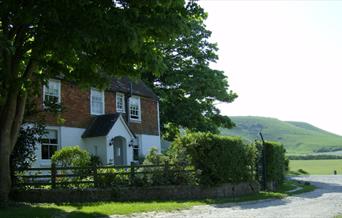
column 181, row 192
column 76, row 110
column 149, row 118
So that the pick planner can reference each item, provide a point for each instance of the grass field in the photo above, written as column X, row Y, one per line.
column 317, row 167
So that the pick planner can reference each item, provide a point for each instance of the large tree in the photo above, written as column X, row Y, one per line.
column 189, row 88
column 86, row 41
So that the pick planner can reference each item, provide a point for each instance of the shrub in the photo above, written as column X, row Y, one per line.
column 218, row 159
column 275, row 162
column 23, row 154
column 112, row 177
column 170, row 172
column 71, row 156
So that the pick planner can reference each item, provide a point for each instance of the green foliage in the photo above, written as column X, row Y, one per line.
column 112, row 177
column 189, row 87
column 154, row 158
column 95, row 161
column 71, row 156
column 275, row 162
column 86, row 42
column 23, row 153
column 297, row 137
column 170, row 172
column 218, row 159
column 170, row 131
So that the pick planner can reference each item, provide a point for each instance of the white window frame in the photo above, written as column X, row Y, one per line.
column 46, row 161
column 92, row 91
column 139, row 108
column 122, row 95
column 59, row 90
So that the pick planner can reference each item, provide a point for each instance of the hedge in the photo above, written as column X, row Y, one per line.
column 217, row 159
column 275, row 161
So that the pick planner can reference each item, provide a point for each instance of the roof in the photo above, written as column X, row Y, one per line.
column 101, row 125
column 124, row 85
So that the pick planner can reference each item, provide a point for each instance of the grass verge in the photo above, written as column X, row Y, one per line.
column 104, row 209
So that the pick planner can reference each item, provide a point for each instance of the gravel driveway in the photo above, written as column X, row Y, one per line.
column 325, row 201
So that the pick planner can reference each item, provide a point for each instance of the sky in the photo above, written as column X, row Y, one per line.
column 283, row 58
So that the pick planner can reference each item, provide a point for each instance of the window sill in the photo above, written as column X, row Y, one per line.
column 96, row 114
column 45, row 162
column 134, row 121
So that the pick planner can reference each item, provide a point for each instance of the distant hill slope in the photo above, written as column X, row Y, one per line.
column 297, row 137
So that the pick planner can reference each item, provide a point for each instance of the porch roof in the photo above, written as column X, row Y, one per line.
column 102, row 124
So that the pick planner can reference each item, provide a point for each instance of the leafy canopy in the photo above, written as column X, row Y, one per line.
column 85, row 41
column 189, row 88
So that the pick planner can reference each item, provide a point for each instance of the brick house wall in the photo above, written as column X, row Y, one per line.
column 76, row 110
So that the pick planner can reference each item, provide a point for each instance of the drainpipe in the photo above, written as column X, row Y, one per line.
column 158, row 117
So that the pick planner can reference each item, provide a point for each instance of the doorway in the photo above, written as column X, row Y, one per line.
column 119, row 147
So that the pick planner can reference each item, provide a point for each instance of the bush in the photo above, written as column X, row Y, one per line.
column 112, row 177
column 169, row 172
column 217, row 159
column 71, row 156
column 275, row 161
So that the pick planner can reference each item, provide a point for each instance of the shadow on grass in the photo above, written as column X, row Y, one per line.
column 23, row 210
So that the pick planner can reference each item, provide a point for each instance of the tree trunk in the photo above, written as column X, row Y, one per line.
column 11, row 117
column 5, row 179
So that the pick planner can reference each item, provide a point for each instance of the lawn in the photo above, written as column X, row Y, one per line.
column 316, row 167
column 104, row 209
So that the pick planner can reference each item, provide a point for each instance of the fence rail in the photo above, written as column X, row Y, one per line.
column 94, row 176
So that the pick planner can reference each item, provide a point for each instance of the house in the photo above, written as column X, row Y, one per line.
column 118, row 124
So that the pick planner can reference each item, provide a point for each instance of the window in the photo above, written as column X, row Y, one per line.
column 96, row 102
column 52, row 92
column 134, row 108
column 49, row 144
column 120, row 102
column 135, row 152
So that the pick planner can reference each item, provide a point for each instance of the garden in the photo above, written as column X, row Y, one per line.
column 195, row 165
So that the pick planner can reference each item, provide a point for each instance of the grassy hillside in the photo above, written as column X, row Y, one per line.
column 298, row 137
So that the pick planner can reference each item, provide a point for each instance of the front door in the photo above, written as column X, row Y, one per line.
column 119, row 151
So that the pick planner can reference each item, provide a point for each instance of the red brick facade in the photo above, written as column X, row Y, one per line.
column 76, row 110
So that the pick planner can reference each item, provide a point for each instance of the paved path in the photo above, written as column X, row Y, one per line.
column 325, row 202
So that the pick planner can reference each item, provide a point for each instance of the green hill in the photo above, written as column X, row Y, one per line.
column 297, row 137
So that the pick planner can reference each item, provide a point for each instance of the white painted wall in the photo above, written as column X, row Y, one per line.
column 97, row 146
column 119, row 129
column 147, row 142
column 71, row 136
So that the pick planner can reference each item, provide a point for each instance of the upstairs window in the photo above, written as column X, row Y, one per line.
column 49, row 144
column 134, row 108
column 52, row 93
column 120, row 102
column 96, row 102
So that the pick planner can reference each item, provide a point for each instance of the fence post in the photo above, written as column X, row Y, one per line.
column 132, row 173
column 95, row 176
column 53, row 175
